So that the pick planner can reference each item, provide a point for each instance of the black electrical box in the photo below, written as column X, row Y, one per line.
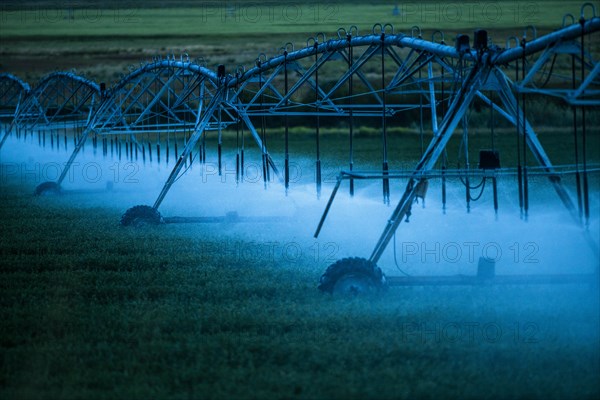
column 489, row 159
column 221, row 71
column 480, row 39
column 462, row 43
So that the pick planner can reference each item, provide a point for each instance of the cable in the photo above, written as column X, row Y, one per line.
column 473, row 187
column 480, row 193
column 549, row 72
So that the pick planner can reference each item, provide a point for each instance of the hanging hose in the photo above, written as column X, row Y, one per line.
column 492, row 122
column 242, row 154
column 187, row 140
column 494, row 180
column 444, row 187
column 444, row 155
column 421, row 113
column 237, row 129
column 586, row 198
column 518, row 126
column 495, row 194
column 262, row 127
column 525, row 180
column 168, row 149
column 286, row 167
column 351, row 111
column 575, row 144
column 157, row 150
column 220, row 142
column 221, row 78
column 318, row 122
column 465, row 142
column 386, row 181
column 202, row 150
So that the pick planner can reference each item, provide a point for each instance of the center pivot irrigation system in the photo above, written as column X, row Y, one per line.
column 374, row 77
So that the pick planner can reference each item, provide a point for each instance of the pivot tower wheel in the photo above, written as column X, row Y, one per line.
column 141, row 216
column 353, row 276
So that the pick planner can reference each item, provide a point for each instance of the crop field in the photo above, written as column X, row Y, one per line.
column 93, row 310
column 230, row 309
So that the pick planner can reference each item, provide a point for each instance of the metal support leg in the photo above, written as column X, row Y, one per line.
column 198, row 131
column 434, row 150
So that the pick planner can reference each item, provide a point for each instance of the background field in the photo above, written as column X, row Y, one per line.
column 89, row 309
column 103, row 41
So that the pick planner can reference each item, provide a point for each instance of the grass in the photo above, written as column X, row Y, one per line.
column 97, row 311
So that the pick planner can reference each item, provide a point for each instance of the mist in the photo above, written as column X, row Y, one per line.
column 434, row 241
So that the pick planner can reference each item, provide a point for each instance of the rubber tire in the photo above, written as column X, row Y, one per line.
column 354, row 276
column 47, row 188
column 141, row 216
